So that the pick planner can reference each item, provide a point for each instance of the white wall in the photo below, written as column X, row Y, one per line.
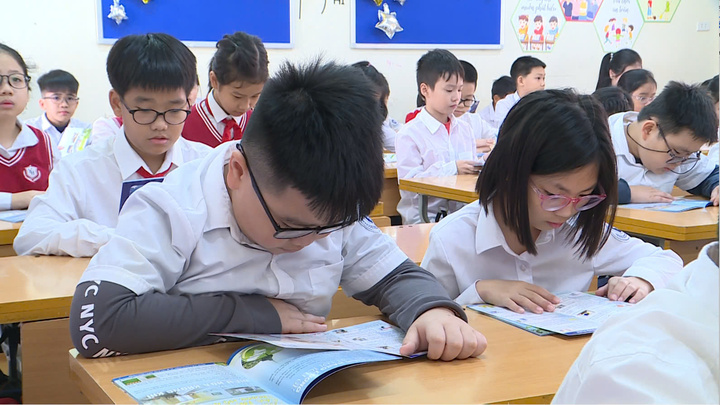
column 63, row 34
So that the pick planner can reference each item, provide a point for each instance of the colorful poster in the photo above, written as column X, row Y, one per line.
column 537, row 24
column 658, row 10
column 618, row 24
column 580, row 10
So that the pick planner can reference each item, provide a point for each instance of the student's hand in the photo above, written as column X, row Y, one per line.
column 21, row 200
column 620, row 288
column 484, row 145
column 466, row 167
column 516, row 295
column 444, row 336
column 295, row 321
column 647, row 194
column 714, row 198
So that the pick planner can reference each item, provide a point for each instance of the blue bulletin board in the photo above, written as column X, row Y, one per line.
column 450, row 24
column 201, row 22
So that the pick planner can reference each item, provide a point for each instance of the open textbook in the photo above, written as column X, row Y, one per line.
column 577, row 313
column 13, row 215
column 268, row 373
column 678, row 205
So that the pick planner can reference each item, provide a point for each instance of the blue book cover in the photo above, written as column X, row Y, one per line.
column 130, row 186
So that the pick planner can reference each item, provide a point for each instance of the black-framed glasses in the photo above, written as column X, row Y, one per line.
column 557, row 202
column 146, row 116
column 674, row 156
column 16, row 80
column 467, row 102
column 287, row 233
column 60, row 99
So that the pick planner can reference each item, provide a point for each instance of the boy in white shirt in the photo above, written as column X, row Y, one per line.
column 484, row 133
column 151, row 76
column 257, row 236
column 501, row 88
column 659, row 147
column 529, row 75
column 59, row 90
column 435, row 143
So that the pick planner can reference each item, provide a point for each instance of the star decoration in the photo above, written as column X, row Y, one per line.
column 117, row 12
column 388, row 22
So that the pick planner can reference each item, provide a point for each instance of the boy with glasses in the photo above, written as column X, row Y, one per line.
column 151, row 76
column 484, row 133
column 59, row 100
column 257, row 236
column 659, row 147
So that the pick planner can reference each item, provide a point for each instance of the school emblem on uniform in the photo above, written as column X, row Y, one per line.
column 368, row 224
column 620, row 235
column 32, row 173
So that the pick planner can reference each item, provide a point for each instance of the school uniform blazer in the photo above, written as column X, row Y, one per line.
column 425, row 149
column 663, row 350
column 635, row 174
column 79, row 211
column 502, row 107
column 479, row 127
column 469, row 246
column 42, row 123
column 204, row 124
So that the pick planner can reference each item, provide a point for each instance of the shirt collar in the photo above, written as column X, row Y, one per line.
column 432, row 124
column 46, row 124
column 217, row 112
column 488, row 234
column 25, row 138
column 620, row 143
column 129, row 161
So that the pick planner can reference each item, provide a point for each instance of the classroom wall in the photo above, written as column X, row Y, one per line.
column 63, row 34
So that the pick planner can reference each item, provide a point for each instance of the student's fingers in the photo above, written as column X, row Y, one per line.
column 538, row 300
column 602, row 291
column 661, row 197
column 547, row 295
column 435, row 338
column 640, row 293
column 472, row 339
column 411, row 342
column 454, row 342
column 510, row 304
column 311, row 327
column 626, row 292
column 527, row 303
column 616, row 285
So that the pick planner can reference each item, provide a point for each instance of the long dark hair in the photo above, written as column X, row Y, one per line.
column 617, row 62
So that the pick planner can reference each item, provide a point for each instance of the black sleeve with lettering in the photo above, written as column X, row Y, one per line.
column 406, row 293
column 108, row 319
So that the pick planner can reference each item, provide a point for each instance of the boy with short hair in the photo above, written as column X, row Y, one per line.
column 151, row 76
column 257, row 236
column 659, row 147
column 528, row 73
column 435, row 143
column 501, row 88
column 59, row 90
column 484, row 133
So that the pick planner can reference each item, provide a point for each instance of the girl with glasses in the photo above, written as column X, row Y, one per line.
column 641, row 85
column 539, row 226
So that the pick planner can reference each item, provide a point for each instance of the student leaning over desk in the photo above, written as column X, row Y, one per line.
column 539, row 226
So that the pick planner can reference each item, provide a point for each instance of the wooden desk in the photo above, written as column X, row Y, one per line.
column 390, row 194
column 413, row 240
column 517, row 367
column 8, row 231
column 457, row 188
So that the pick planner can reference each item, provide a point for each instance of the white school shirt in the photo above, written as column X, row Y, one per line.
column 425, row 149
column 389, row 134
column 181, row 237
column 480, row 128
column 469, row 246
column 663, row 350
column 488, row 114
column 104, row 128
column 635, row 174
column 42, row 123
column 78, row 212
column 502, row 107
column 25, row 138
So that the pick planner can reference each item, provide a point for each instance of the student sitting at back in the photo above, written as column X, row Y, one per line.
column 382, row 89
column 501, row 88
column 151, row 76
column 59, row 90
column 27, row 154
column 529, row 75
column 659, row 147
column 641, row 85
column 539, row 227
column 435, row 143
column 614, row 99
column 238, row 72
column 711, row 85
column 257, row 236
column 484, row 133
column 614, row 64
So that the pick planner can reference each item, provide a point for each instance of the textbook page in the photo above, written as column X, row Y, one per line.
column 13, row 215
column 577, row 313
column 678, row 205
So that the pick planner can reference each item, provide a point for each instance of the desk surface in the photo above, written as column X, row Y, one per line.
column 516, row 366
column 37, row 288
column 8, row 230
column 457, row 188
column 413, row 240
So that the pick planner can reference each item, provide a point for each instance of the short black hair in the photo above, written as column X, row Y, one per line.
column 617, row 62
column 633, row 79
column 58, row 81
column 683, row 106
column 470, row 73
column 614, row 99
column 524, row 65
column 316, row 128
column 436, row 64
column 240, row 57
column 19, row 59
column 503, row 86
column 152, row 62
column 378, row 79
column 548, row 132
column 711, row 85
